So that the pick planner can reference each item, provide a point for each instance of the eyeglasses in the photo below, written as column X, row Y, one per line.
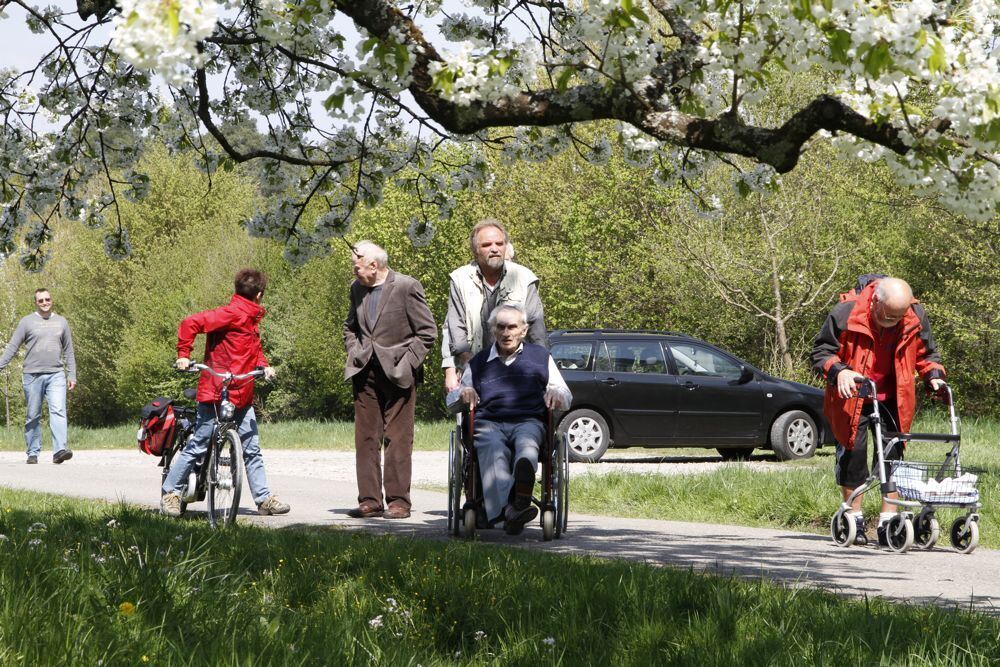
column 43, row 300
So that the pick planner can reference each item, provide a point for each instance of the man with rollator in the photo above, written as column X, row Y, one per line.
column 511, row 385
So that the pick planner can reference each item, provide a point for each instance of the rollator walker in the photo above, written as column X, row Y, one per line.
column 923, row 487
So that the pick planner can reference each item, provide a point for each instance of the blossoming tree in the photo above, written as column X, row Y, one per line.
column 349, row 95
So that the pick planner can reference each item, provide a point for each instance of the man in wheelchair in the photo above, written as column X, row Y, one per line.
column 511, row 385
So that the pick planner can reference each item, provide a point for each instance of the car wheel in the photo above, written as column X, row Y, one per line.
column 794, row 436
column 587, row 434
column 734, row 453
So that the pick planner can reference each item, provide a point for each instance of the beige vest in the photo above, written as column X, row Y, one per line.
column 513, row 289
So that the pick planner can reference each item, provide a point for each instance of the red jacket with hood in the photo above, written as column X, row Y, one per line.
column 847, row 341
column 233, row 344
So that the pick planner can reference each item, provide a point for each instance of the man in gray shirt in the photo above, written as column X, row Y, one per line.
column 47, row 341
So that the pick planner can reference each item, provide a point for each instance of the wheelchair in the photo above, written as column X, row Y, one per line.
column 464, row 481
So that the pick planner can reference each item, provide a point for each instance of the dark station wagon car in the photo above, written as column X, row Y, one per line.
column 661, row 389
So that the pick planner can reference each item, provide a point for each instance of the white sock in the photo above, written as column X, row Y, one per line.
column 855, row 514
column 883, row 517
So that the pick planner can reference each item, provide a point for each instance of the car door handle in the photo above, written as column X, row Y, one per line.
column 612, row 382
column 689, row 385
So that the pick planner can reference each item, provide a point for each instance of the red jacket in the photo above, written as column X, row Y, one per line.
column 846, row 341
column 233, row 344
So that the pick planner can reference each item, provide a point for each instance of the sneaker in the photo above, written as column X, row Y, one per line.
column 514, row 519
column 272, row 505
column 62, row 455
column 170, row 505
column 32, row 460
column 883, row 537
column 860, row 539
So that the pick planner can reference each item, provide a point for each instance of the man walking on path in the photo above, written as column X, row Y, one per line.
column 480, row 286
column 881, row 333
column 49, row 345
column 388, row 332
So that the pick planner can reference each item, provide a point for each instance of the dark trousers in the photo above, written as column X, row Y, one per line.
column 383, row 416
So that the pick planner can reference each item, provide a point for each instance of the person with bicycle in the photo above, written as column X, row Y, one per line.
column 882, row 333
column 233, row 345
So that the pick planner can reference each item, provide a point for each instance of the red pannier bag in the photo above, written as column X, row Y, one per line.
column 156, row 426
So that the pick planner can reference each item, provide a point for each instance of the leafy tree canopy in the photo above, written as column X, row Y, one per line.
column 349, row 95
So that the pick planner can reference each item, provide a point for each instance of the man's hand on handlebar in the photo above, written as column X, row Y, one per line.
column 269, row 373
column 847, row 383
column 182, row 363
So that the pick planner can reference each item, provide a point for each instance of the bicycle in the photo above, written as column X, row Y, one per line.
column 218, row 478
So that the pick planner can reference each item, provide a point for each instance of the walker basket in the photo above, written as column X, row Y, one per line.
column 940, row 483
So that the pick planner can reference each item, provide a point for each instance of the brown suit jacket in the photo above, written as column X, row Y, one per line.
column 400, row 336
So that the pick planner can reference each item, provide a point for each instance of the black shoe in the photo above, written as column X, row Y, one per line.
column 32, row 460
column 860, row 539
column 883, row 536
column 524, row 484
column 62, row 455
column 514, row 519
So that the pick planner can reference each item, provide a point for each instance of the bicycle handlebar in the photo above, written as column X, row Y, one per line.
column 225, row 377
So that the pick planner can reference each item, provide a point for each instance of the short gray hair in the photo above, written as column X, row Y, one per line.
column 516, row 307
column 483, row 224
column 371, row 251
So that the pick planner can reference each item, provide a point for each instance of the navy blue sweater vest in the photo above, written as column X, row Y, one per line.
column 511, row 392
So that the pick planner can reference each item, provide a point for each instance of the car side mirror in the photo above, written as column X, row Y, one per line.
column 746, row 374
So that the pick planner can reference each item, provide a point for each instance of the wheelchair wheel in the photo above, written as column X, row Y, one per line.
column 469, row 523
column 454, row 484
column 225, row 479
column 561, row 485
column 548, row 525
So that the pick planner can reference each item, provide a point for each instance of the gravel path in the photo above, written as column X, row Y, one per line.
column 320, row 487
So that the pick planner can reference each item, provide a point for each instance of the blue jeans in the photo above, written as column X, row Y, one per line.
column 197, row 446
column 51, row 386
column 496, row 461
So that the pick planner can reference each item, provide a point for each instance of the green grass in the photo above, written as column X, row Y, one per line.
column 799, row 496
column 85, row 583
column 279, row 435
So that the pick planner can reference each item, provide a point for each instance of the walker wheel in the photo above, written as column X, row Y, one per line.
column 926, row 530
column 843, row 529
column 899, row 533
column 965, row 535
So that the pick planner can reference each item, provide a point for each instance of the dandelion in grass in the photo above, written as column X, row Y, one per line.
column 37, row 527
column 113, row 523
column 376, row 622
column 34, row 543
column 4, row 538
column 479, row 636
column 393, row 605
column 549, row 641
column 178, row 538
column 126, row 609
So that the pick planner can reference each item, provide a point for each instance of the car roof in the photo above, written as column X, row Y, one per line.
column 619, row 333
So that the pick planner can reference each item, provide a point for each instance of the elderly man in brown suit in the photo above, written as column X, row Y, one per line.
column 388, row 331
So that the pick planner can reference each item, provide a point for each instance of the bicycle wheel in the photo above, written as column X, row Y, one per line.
column 225, row 479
